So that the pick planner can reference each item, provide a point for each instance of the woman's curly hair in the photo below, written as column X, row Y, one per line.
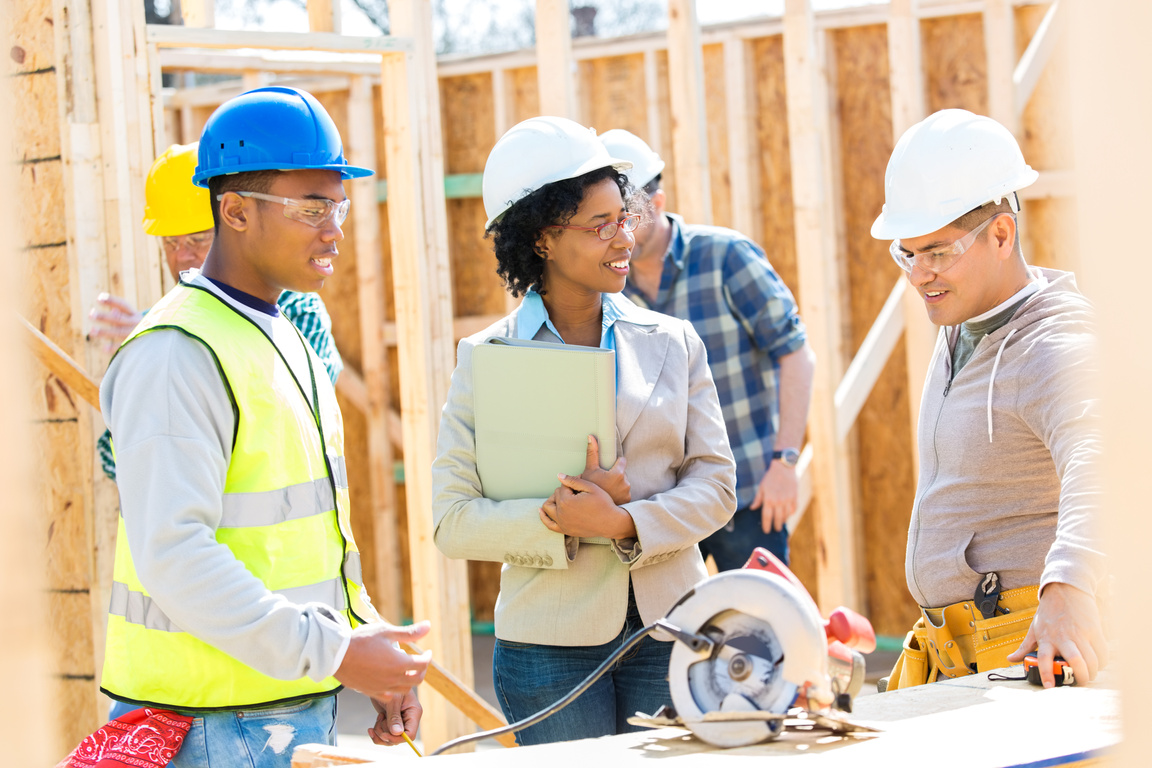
column 516, row 234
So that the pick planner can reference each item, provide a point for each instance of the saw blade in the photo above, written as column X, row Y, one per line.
column 743, row 673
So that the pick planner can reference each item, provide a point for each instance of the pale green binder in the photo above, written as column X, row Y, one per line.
column 535, row 404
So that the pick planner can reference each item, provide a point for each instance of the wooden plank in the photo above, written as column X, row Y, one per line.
column 1000, row 51
column 30, row 39
column 1035, row 58
column 324, row 15
column 198, row 13
column 738, row 97
column 422, row 289
column 652, row 103
column 869, row 362
column 813, row 195
column 1109, row 61
column 226, row 61
column 686, row 99
column 167, row 36
column 62, row 365
column 360, row 145
column 554, row 67
column 715, row 107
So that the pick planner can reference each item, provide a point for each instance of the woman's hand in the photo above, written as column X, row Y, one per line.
column 613, row 481
column 583, row 509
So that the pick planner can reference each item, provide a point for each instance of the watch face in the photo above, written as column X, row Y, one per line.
column 788, row 457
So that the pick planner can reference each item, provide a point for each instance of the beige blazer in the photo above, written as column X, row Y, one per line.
column 555, row 590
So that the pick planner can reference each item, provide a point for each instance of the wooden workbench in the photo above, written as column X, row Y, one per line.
column 971, row 722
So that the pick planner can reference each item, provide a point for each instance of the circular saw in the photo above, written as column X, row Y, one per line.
column 750, row 646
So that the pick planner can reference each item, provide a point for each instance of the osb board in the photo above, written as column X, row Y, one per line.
column 1048, row 233
column 356, row 456
column 523, row 94
column 41, row 187
column 469, row 126
column 469, row 134
column 484, row 584
column 31, row 44
column 65, row 483
column 76, row 713
column 612, row 93
column 778, row 236
column 955, row 68
column 886, row 479
column 36, row 122
column 46, row 304
column 716, row 125
column 70, row 632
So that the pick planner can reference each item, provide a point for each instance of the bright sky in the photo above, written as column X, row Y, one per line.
column 287, row 16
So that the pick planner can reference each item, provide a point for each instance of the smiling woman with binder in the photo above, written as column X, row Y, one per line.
column 591, row 553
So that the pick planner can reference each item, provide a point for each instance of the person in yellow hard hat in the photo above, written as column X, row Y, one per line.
column 180, row 214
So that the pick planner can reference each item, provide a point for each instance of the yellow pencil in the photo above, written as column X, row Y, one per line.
column 405, row 735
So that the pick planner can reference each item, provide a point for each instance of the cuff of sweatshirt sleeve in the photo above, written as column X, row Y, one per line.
column 338, row 636
column 1067, row 573
column 340, row 655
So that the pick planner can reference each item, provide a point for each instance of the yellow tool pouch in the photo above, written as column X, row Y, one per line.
column 957, row 640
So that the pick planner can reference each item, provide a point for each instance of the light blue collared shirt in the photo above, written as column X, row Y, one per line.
column 533, row 315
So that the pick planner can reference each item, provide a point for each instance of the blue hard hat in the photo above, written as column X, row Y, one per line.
column 271, row 129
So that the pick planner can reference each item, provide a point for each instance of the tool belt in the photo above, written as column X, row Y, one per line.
column 964, row 638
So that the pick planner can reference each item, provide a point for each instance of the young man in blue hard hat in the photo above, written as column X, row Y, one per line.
column 180, row 214
column 1003, row 555
column 758, row 351
column 237, row 595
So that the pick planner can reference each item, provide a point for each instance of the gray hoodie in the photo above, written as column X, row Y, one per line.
column 1007, row 451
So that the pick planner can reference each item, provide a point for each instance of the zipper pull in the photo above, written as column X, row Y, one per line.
column 947, row 387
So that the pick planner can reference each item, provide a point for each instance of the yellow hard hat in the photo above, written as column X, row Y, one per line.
column 173, row 205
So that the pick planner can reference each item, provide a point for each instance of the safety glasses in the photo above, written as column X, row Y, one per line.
column 940, row 259
column 194, row 242
column 314, row 213
column 608, row 230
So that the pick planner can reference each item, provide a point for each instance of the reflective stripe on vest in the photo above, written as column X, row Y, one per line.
column 285, row 492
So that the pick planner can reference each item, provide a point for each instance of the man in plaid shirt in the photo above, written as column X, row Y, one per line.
column 722, row 283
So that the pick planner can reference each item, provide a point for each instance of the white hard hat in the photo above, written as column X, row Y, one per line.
column 646, row 164
column 944, row 166
column 536, row 152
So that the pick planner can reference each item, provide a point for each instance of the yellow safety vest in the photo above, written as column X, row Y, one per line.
column 285, row 517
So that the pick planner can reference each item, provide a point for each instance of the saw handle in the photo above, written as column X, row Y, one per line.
column 843, row 624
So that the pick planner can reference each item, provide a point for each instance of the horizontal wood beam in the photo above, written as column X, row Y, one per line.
column 1031, row 65
column 869, row 362
column 169, row 36
column 1051, row 184
column 172, row 59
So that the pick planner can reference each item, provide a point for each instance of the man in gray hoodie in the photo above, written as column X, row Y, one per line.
column 1003, row 552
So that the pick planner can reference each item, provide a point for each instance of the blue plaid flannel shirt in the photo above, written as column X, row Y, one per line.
column 722, row 283
column 307, row 312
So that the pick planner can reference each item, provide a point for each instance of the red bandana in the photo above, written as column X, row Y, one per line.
column 143, row 738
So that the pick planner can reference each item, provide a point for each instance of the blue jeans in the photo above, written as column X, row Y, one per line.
column 732, row 545
column 529, row 678
column 252, row 738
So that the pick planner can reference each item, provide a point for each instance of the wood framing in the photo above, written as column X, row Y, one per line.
column 685, row 96
column 554, row 70
column 815, row 216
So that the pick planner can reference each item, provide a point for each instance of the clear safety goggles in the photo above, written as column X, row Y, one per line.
column 314, row 213
column 198, row 241
column 608, row 230
column 939, row 259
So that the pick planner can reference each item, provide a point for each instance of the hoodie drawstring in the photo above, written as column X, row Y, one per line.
column 992, row 378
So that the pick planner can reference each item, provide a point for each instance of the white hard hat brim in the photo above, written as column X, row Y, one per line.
column 592, row 164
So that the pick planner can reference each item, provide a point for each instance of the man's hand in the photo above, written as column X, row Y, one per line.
column 374, row 666
column 397, row 716
column 1067, row 623
column 613, row 481
column 113, row 318
column 776, row 496
column 581, row 508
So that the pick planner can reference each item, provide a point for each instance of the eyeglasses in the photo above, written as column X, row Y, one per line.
column 314, row 213
column 941, row 259
column 194, row 242
column 608, row 230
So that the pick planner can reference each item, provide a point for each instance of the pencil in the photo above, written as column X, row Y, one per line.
column 405, row 735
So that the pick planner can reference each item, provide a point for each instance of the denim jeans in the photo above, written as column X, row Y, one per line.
column 732, row 545
column 529, row 678
column 253, row 738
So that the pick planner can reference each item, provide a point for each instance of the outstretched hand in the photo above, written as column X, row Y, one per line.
column 113, row 318
column 1067, row 623
column 614, row 481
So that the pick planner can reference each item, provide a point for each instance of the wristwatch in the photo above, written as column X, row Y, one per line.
column 787, row 456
